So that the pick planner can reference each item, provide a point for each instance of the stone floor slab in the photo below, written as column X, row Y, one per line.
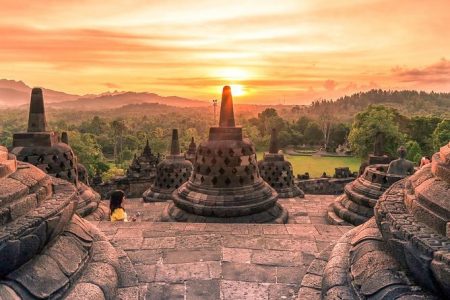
column 223, row 261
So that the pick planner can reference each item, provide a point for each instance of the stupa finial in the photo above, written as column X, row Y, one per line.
column 64, row 138
column 273, row 142
column 226, row 108
column 36, row 119
column 175, row 145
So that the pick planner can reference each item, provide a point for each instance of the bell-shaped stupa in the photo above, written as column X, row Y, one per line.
column 46, row 250
column 278, row 172
column 225, row 186
column 43, row 148
column 171, row 173
column 192, row 150
column 403, row 252
column 355, row 205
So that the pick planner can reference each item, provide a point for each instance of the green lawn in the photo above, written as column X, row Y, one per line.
column 317, row 165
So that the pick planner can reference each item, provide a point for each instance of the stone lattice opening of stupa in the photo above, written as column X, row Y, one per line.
column 226, row 185
column 171, row 173
column 278, row 172
column 42, row 147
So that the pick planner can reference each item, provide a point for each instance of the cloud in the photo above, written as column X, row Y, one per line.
column 329, row 85
column 111, row 85
column 436, row 73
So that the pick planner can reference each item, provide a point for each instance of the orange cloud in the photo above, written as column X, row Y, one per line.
column 290, row 49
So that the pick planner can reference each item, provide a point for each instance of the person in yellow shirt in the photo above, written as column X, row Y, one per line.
column 117, row 210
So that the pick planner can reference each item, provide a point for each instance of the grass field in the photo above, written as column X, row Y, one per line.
column 317, row 165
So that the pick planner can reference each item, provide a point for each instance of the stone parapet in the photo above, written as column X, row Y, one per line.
column 403, row 252
column 355, row 206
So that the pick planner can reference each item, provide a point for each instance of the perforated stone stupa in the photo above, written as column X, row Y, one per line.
column 42, row 148
column 144, row 165
column 47, row 251
column 278, row 172
column 139, row 176
column 171, row 173
column 226, row 185
column 360, row 196
column 190, row 153
column 403, row 252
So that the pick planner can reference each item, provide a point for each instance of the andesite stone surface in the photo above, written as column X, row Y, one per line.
column 171, row 173
column 277, row 171
column 402, row 252
column 144, row 165
column 379, row 156
column 42, row 148
column 192, row 150
column 355, row 206
column 360, row 196
column 223, row 261
column 226, row 185
column 46, row 250
column 139, row 176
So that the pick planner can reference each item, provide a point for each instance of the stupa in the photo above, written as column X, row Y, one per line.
column 379, row 156
column 171, row 173
column 46, row 250
column 403, row 252
column 225, row 185
column 42, row 148
column 278, row 172
column 138, row 178
column 360, row 196
column 144, row 165
column 190, row 153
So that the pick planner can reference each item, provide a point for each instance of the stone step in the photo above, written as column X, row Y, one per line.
column 346, row 214
column 334, row 219
column 356, row 196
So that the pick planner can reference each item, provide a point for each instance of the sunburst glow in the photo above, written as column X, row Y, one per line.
column 237, row 90
column 296, row 50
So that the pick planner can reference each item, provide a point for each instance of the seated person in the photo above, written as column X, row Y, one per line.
column 425, row 161
column 401, row 166
column 117, row 211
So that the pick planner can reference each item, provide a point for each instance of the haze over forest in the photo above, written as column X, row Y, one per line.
column 15, row 95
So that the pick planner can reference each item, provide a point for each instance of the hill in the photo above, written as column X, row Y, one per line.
column 17, row 93
column 114, row 101
column 407, row 102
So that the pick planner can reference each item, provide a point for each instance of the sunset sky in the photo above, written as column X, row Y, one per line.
column 287, row 51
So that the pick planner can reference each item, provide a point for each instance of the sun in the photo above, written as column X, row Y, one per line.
column 229, row 75
column 237, row 89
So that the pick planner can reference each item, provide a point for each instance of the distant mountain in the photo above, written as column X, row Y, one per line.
column 17, row 93
column 116, row 100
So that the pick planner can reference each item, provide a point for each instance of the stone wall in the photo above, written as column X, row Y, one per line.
column 324, row 186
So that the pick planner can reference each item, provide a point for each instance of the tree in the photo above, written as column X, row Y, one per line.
column 87, row 150
column 313, row 134
column 367, row 124
column 118, row 126
column 284, row 138
column 301, row 124
column 414, row 153
column 420, row 129
column 441, row 135
column 267, row 120
column 338, row 136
